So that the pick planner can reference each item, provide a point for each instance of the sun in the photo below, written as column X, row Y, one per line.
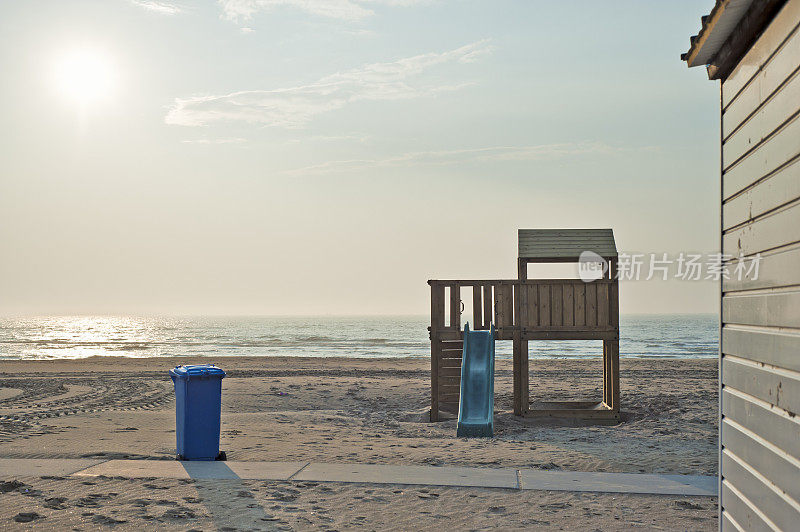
column 84, row 75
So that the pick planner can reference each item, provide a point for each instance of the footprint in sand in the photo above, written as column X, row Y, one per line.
column 107, row 520
column 27, row 517
column 55, row 503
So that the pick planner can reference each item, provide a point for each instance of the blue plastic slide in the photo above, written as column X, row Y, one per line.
column 476, row 402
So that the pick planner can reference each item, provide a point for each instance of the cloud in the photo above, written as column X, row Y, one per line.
column 164, row 8
column 491, row 154
column 237, row 10
column 296, row 106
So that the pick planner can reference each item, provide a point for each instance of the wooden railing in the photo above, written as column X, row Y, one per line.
column 536, row 308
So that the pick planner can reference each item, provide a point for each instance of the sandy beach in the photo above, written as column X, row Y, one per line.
column 350, row 411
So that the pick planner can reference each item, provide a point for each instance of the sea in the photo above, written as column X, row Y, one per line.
column 69, row 337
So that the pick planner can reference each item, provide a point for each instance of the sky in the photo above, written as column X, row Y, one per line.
column 294, row 157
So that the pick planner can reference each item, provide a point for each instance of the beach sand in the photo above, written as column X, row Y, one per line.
column 340, row 410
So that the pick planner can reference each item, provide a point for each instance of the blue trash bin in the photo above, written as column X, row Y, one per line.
column 198, row 400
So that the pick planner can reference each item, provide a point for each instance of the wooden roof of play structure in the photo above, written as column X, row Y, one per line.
column 565, row 245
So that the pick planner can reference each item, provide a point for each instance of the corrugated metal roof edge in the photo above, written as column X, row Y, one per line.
column 707, row 25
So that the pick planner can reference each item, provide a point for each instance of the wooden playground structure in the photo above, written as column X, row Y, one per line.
column 525, row 309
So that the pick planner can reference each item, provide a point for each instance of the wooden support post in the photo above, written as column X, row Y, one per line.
column 524, row 370
column 437, row 322
column 614, row 375
column 517, row 353
column 607, row 385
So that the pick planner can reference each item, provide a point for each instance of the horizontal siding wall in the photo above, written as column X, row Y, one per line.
column 760, row 367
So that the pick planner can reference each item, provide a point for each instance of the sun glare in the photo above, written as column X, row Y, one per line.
column 84, row 75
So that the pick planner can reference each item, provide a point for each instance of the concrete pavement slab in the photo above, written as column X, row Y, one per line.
column 532, row 479
column 423, row 475
column 37, row 467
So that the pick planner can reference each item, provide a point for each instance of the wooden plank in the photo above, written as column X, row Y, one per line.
column 767, row 195
column 449, row 389
column 568, row 305
column 521, row 304
column 455, row 307
column 450, row 372
column 776, row 309
column 770, row 156
column 752, row 63
column 477, row 307
column 774, row 109
column 591, row 304
column 577, row 334
column 776, row 466
column 449, row 380
column 495, row 282
column 777, row 510
column 775, row 69
column 580, row 305
column 776, row 347
column 740, row 511
column 776, row 269
column 453, row 344
column 776, row 229
column 613, row 296
column 602, row 305
column 488, row 299
column 503, row 305
column 531, row 317
column 450, row 363
column 778, row 388
column 769, row 423
column 451, row 353
column 449, row 399
column 556, row 305
column 544, row 305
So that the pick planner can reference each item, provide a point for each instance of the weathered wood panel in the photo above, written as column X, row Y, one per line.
column 770, row 462
column 531, row 318
column 776, row 347
column 580, row 305
column 770, row 156
column 568, row 305
column 544, row 305
column 778, row 228
column 770, row 423
column 776, row 508
column 741, row 511
column 455, row 307
column 602, row 305
column 504, row 305
column 758, row 56
column 477, row 307
column 779, row 388
column 778, row 268
column 760, row 394
column 773, row 309
column 767, row 81
column 764, row 122
column 556, row 306
column 767, row 195
column 591, row 305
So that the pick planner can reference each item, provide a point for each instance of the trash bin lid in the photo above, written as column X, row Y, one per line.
column 197, row 370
